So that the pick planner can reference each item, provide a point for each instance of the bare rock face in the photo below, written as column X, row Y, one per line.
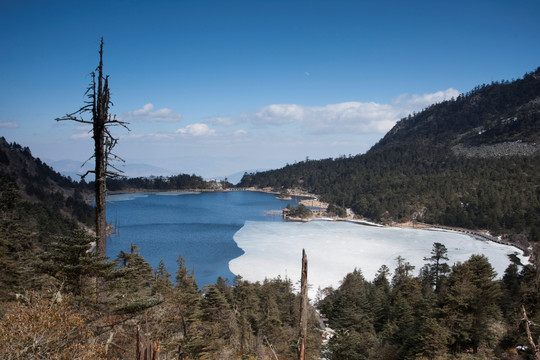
column 504, row 149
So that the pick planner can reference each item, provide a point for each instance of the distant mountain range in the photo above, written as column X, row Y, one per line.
column 74, row 169
column 470, row 162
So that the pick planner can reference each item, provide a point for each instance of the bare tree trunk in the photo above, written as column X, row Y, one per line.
column 100, row 118
column 535, row 347
column 303, row 308
column 100, row 115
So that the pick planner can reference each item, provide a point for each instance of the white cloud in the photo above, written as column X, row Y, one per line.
column 8, row 124
column 351, row 117
column 147, row 108
column 418, row 102
column 277, row 114
column 347, row 117
column 334, row 118
column 147, row 113
column 196, row 130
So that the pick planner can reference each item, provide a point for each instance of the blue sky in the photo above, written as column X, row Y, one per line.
column 218, row 87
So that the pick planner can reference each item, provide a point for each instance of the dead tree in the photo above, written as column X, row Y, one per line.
column 527, row 323
column 303, row 308
column 98, row 105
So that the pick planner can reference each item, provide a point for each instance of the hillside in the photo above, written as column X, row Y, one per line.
column 470, row 162
column 505, row 112
column 36, row 206
column 38, row 183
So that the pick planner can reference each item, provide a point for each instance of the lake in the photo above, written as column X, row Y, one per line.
column 232, row 233
column 197, row 226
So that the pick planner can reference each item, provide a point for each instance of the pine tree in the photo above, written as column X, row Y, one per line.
column 132, row 286
column 162, row 282
column 380, row 298
column 221, row 325
column 403, row 270
column 471, row 303
column 246, row 303
column 351, row 345
column 187, row 300
column 437, row 269
column 71, row 261
column 432, row 339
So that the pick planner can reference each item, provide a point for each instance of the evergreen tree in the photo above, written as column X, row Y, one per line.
column 270, row 320
column 349, row 344
column 162, row 283
column 407, row 309
column 432, row 339
column 436, row 268
column 511, row 291
column 350, row 308
column 246, row 303
column 222, row 327
column 132, row 286
column 471, row 303
column 223, row 286
column 71, row 261
column 184, row 280
column 380, row 298
column 403, row 271
column 187, row 301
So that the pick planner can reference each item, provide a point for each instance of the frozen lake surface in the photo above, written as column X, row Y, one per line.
column 336, row 248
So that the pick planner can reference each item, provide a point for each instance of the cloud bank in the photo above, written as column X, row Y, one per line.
column 346, row 117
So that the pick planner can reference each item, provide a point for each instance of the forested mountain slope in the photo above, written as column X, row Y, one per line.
column 40, row 185
column 36, row 206
column 470, row 162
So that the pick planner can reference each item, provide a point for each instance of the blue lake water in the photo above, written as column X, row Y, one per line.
column 197, row 226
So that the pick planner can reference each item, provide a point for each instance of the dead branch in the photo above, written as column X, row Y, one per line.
column 527, row 323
